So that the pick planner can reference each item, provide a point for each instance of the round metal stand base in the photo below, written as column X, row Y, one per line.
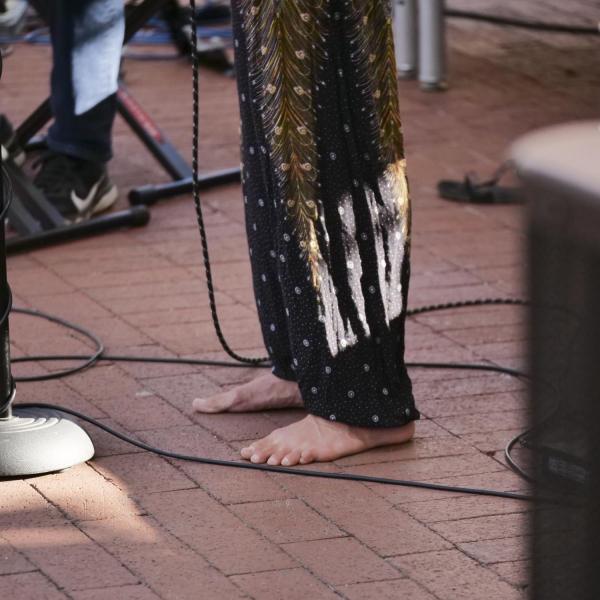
column 407, row 73
column 35, row 441
column 433, row 86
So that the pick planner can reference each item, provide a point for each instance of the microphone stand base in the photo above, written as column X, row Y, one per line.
column 35, row 441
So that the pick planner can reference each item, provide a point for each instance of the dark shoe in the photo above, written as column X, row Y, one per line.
column 78, row 188
column 481, row 192
column 8, row 144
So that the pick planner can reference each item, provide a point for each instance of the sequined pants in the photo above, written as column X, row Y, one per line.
column 326, row 202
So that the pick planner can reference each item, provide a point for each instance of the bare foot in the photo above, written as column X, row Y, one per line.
column 316, row 439
column 262, row 393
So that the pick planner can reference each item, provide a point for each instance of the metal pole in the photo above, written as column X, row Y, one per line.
column 405, row 37
column 432, row 45
column 6, row 382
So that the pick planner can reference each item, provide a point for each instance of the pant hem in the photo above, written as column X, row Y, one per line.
column 77, row 151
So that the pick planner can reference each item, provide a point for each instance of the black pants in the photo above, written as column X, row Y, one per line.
column 326, row 201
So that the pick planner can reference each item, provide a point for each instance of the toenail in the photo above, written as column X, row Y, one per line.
column 285, row 462
column 254, row 458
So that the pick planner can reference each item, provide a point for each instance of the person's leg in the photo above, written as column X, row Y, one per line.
column 89, row 135
column 278, row 388
column 324, row 92
column 86, row 44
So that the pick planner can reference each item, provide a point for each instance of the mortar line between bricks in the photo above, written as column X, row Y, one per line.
column 493, row 362
column 456, row 497
column 195, row 486
column 126, row 491
column 457, row 436
column 525, row 538
column 59, row 588
column 422, row 586
column 501, row 514
column 457, row 548
column 20, row 553
column 386, row 461
column 427, row 526
column 106, row 304
column 38, row 569
column 330, row 587
column 500, row 562
column 114, row 587
column 76, row 525
column 506, row 580
column 33, row 569
column 160, row 525
column 487, row 539
column 177, row 465
column 337, row 525
column 471, row 412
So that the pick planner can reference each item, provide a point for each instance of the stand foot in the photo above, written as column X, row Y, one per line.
column 433, row 86
column 36, row 441
column 406, row 73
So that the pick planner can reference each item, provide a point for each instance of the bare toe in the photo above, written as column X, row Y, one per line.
column 291, row 459
column 203, row 405
column 277, row 456
column 315, row 439
column 259, row 456
column 307, row 456
column 217, row 403
column 262, row 450
column 247, row 452
column 263, row 393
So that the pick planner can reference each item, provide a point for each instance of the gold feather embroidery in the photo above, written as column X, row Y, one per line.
column 374, row 57
column 284, row 41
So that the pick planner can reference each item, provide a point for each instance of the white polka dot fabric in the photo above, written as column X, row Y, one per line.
column 340, row 337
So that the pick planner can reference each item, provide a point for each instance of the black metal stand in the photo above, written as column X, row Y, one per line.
column 6, row 382
column 32, row 441
column 38, row 223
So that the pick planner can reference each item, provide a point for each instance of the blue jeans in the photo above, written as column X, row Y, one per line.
column 79, row 27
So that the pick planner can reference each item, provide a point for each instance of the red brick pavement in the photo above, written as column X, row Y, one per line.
column 138, row 527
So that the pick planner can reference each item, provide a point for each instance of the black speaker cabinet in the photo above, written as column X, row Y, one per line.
column 560, row 171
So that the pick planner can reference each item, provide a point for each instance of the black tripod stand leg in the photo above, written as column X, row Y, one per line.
column 149, row 194
column 33, row 123
column 132, row 217
column 33, row 201
column 151, row 136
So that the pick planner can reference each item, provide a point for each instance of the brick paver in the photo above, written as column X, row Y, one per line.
column 138, row 527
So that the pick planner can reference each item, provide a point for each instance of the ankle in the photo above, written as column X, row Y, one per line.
column 388, row 435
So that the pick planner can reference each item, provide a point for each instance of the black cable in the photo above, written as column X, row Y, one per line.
column 522, row 23
column 273, row 469
column 87, row 360
column 197, row 204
